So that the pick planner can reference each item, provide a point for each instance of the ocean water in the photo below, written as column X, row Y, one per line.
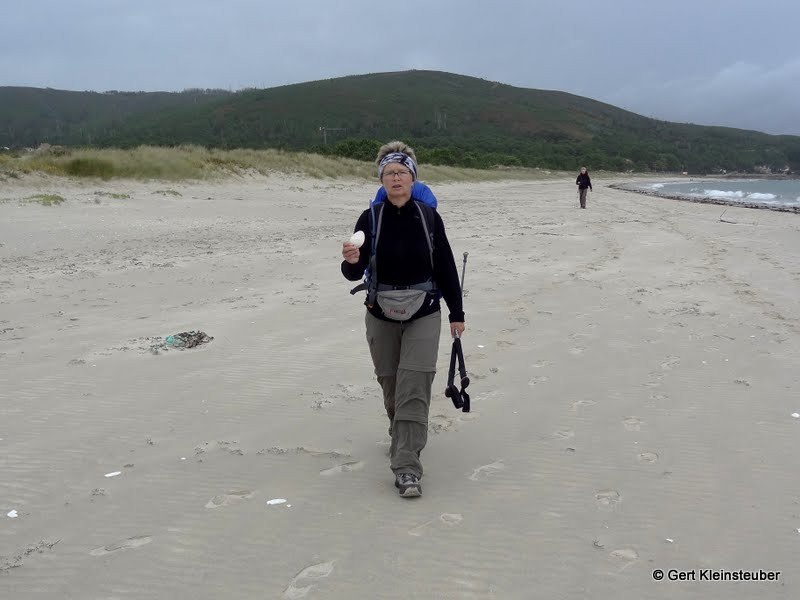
column 765, row 192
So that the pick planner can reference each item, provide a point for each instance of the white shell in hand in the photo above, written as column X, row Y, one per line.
column 357, row 239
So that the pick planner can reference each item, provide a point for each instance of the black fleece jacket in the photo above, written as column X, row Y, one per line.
column 403, row 258
column 583, row 181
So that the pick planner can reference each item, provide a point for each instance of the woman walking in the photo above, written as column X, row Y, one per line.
column 410, row 267
column 583, row 182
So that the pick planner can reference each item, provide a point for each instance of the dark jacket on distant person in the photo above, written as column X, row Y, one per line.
column 583, row 181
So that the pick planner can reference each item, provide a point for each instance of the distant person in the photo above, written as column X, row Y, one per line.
column 410, row 268
column 583, row 182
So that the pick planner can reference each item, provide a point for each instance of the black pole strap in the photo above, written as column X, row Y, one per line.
column 460, row 397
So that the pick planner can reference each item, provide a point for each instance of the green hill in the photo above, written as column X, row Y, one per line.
column 32, row 116
column 450, row 119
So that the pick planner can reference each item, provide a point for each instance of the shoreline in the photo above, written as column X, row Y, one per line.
column 621, row 187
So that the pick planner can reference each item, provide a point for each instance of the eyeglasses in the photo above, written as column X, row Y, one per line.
column 392, row 174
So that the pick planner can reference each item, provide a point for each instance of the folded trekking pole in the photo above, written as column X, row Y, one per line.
column 460, row 397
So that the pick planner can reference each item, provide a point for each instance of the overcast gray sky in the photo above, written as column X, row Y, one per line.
column 712, row 62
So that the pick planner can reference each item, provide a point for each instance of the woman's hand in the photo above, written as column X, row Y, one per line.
column 457, row 328
column 350, row 253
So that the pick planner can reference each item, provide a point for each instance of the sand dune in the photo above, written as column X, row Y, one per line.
column 634, row 374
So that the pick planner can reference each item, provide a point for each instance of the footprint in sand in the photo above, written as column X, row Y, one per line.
column 577, row 350
column 343, row 468
column 670, row 363
column 228, row 498
column 655, row 380
column 607, row 499
column 321, row 404
column 303, row 582
column 486, row 470
column 472, row 415
column 444, row 520
column 647, row 458
column 625, row 554
column 633, row 423
column 439, row 423
column 541, row 364
column 133, row 542
column 564, row 434
column 538, row 379
column 578, row 404
column 475, row 376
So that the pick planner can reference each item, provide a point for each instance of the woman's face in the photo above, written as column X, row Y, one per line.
column 583, row 170
column 397, row 181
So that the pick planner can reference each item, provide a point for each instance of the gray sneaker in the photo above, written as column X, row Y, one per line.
column 408, row 484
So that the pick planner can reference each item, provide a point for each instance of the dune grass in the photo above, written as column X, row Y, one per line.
column 114, row 195
column 186, row 163
column 46, row 199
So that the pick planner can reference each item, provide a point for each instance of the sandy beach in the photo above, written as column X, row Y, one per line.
column 633, row 379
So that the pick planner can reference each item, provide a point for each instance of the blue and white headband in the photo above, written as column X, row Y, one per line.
column 398, row 157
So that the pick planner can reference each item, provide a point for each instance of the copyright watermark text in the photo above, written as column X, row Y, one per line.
column 715, row 575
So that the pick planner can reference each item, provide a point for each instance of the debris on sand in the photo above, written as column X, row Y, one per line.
column 188, row 339
column 180, row 341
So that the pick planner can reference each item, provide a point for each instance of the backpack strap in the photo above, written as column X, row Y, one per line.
column 428, row 222
column 372, row 278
